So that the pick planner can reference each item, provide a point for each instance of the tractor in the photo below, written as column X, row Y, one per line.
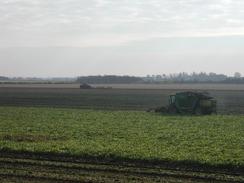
column 199, row 103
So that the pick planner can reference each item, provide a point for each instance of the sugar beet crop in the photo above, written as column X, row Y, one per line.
column 77, row 145
column 214, row 140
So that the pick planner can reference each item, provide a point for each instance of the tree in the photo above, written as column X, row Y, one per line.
column 237, row 75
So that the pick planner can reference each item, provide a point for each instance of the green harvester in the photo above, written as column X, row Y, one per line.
column 199, row 103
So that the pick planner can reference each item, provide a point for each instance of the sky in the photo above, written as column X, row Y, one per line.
column 66, row 38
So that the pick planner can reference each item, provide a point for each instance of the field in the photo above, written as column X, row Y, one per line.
column 229, row 101
column 52, row 133
column 132, row 145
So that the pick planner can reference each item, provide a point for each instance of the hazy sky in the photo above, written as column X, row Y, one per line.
column 135, row 37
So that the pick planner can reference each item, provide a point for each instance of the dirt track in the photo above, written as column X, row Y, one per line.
column 28, row 168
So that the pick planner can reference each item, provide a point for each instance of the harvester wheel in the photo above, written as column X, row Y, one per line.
column 198, row 111
column 172, row 109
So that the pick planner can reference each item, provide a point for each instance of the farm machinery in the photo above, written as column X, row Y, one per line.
column 199, row 103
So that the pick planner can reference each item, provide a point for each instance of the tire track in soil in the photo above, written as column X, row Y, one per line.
column 33, row 170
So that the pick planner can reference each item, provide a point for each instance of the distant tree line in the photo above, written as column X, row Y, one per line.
column 4, row 78
column 234, row 80
column 110, row 79
column 201, row 77
column 183, row 77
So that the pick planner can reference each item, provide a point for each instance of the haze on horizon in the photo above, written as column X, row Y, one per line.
column 43, row 38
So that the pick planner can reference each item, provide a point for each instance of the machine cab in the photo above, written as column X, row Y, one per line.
column 172, row 99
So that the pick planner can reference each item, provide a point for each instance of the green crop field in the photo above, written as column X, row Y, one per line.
column 132, row 145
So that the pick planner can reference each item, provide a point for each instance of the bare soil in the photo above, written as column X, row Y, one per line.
column 21, row 167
